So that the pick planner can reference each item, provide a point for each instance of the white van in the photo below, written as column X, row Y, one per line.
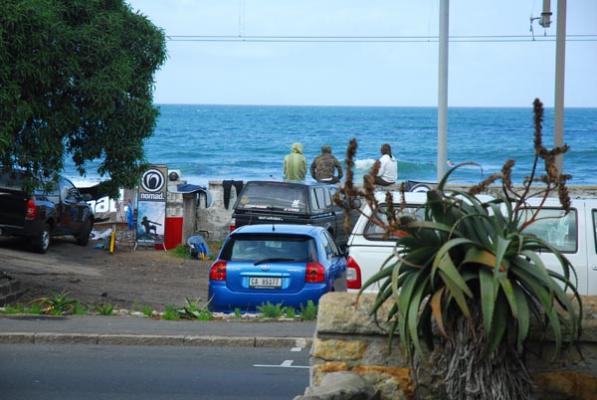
column 575, row 234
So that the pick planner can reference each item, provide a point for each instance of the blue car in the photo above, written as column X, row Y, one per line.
column 287, row 264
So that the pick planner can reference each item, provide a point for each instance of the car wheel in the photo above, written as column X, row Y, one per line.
column 83, row 236
column 41, row 242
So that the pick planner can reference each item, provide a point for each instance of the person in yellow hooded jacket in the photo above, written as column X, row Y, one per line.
column 295, row 164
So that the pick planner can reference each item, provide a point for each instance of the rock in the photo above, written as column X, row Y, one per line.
column 341, row 386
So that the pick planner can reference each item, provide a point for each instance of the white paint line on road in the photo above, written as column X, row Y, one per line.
column 285, row 364
column 296, row 349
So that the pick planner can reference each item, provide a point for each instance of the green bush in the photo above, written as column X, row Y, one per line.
column 237, row 313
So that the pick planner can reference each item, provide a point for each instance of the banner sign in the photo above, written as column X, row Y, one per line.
column 151, row 205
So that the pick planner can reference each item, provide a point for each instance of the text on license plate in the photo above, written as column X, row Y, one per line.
column 264, row 282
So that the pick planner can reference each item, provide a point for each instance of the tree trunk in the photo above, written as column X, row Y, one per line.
column 462, row 370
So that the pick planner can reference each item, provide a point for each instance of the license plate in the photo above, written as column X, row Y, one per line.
column 264, row 282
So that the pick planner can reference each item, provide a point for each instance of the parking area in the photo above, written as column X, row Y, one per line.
column 94, row 276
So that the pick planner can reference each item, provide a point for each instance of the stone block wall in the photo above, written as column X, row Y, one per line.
column 347, row 338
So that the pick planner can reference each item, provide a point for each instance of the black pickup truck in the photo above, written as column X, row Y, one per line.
column 270, row 202
column 41, row 214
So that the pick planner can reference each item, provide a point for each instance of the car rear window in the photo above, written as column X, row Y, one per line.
column 270, row 247
column 11, row 181
column 555, row 227
column 273, row 197
column 374, row 232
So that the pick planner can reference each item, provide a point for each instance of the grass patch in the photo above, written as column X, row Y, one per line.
column 309, row 313
column 105, row 309
column 14, row 309
column 290, row 312
column 194, row 309
column 269, row 310
column 170, row 313
column 147, row 311
column 180, row 251
column 237, row 313
column 79, row 309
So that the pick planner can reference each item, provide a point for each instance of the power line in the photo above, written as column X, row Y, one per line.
column 376, row 39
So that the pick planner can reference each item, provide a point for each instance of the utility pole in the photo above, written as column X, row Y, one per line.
column 558, row 132
column 442, row 98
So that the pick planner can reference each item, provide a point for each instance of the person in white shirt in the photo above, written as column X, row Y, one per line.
column 388, row 168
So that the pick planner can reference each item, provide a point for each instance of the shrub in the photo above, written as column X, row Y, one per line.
column 471, row 270
column 195, row 310
column 58, row 304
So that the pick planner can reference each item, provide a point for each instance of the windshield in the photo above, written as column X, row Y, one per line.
column 375, row 232
column 11, row 181
column 273, row 197
column 268, row 248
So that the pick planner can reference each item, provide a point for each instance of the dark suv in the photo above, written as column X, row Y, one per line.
column 269, row 202
column 41, row 214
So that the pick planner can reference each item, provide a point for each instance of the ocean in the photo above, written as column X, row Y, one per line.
column 207, row 142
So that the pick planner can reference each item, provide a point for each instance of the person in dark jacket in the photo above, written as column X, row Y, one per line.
column 323, row 168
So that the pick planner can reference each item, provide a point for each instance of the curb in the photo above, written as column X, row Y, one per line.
column 152, row 340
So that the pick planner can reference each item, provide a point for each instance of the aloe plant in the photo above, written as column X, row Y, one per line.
column 471, row 272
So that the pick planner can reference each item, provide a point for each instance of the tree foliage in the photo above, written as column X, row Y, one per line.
column 76, row 80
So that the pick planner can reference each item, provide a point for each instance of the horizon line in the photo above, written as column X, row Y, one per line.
column 351, row 105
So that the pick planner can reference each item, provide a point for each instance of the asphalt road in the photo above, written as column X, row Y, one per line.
column 137, row 372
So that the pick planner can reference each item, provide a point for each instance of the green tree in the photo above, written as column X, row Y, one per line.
column 76, row 80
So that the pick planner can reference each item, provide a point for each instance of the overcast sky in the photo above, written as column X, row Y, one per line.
column 386, row 74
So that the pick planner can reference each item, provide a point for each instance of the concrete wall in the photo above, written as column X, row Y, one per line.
column 216, row 219
column 348, row 339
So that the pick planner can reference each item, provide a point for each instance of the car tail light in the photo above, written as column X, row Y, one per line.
column 232, row 224
column 31, row 212
column 217, row 272
column 353, row 274
column 315, row 273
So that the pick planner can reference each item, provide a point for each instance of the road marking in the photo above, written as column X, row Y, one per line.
column 296, row 349
column 285, row 364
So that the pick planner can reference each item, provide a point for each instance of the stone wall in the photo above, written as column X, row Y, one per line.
column 347, row 338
